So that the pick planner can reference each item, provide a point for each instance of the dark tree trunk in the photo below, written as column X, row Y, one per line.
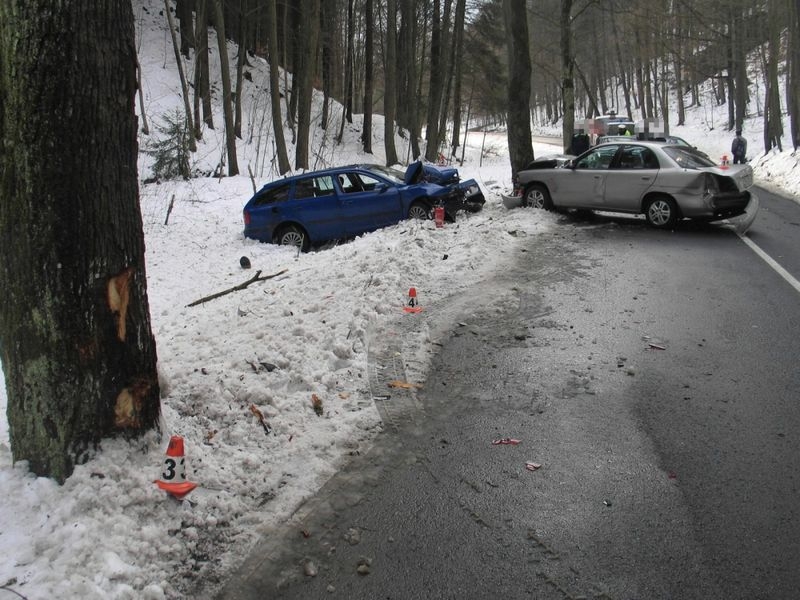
column 773, row 119
column 369, row 27
column 447, row 72
column 227, row 108
column 390, row 95
column 202, row 86
column 183, row 10
column 410, row 94
column 184, row 85
column 305, row 74
column 326, row 24
column 435, row 86
column 77, row 347
column 294, row 64
column 520, row 146
column 349, row 62
column 274, row 88
column 793, row 87
column 240, row 62
column 740, row 68
column 347, row 101
column 458, row 50
column 567, row 74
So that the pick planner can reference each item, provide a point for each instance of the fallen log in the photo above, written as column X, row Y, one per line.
column 236, row 288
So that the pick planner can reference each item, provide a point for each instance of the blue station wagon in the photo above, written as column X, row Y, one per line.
column 344, row 202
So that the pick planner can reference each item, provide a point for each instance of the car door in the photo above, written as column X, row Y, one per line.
column 583, row 185
column 315, row 205
column 367, row 202
column 631, row 175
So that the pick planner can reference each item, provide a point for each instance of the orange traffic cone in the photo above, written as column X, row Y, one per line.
column 173, row 478
column 413, row 305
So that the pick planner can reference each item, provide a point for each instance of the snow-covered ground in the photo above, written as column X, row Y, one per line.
column 271, row 348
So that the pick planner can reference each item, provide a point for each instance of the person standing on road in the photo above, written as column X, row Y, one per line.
column 739, row 148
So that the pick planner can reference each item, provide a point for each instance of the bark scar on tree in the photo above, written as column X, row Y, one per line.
column 118, row 297
column 128, row 407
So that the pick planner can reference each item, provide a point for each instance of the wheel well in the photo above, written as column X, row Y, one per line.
column 280, row 229
column 652, row 195
column 530, row 184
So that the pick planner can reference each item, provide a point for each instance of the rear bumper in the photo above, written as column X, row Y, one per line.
column 742, row 222
column 730, row 204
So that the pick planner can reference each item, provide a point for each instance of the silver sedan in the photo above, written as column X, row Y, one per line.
column 663, row 182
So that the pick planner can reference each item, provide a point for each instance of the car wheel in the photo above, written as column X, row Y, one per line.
column 661, row 212
column 292, row 235
column 537, row 196
column 420, row 210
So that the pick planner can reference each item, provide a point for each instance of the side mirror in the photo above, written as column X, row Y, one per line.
column 381, row 187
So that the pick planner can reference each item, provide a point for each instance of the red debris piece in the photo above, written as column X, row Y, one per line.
column 506, row 441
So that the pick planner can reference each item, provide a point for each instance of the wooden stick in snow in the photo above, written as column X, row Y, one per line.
column 236, row 288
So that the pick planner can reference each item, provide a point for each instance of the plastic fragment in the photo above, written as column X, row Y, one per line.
column 532, row 466
column 506, row 441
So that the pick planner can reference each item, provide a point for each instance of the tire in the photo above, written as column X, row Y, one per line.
column 537, row 196
column 661, row 212
column 420, row 210
column 292, row 235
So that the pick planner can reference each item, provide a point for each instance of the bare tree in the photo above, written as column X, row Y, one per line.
column 773, row 123
column 304, row 73
column 184, row 87
column 793, row 77
column 567, row 74
column 274, row 88
column 435, row 85
column 520, row 146
column 227, row 108
column 390, row 82
column 78, row 351
column 202, row 89
column 369, row 31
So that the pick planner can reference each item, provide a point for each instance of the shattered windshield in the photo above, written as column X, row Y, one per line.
column 388, row 172
column 688, row 158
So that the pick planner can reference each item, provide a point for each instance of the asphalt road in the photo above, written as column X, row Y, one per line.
column 652, row 375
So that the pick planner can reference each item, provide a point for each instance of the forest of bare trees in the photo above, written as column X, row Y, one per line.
column 437, row 67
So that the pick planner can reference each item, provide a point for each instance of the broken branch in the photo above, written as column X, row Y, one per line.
column 236, row 288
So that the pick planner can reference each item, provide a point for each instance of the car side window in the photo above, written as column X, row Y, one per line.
column 274, row 195
column 650, row 159
column 304, row 188
column 349, row 182
column 368, row 183
column 323, row 186
column 637, row 157
column 313, row 187
column 599, row 158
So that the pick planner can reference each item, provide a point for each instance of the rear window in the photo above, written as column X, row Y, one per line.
column 313, row 187
column 274, row 195
column 688, row 158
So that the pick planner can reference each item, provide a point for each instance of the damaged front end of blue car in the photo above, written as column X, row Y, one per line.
column 472, row 198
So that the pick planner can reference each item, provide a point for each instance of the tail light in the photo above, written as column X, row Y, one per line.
column 246, row 216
